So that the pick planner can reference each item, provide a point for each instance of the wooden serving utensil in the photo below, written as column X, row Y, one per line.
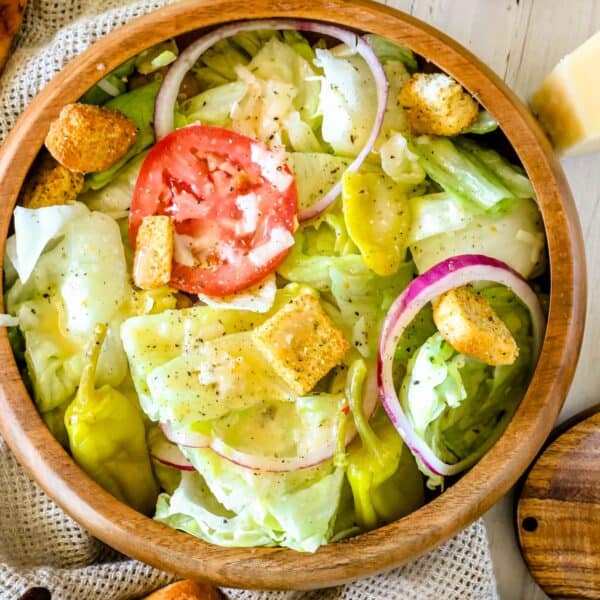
column 558, row 512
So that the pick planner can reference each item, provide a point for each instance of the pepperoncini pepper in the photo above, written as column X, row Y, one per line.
column 107, row 436
column 385, row 481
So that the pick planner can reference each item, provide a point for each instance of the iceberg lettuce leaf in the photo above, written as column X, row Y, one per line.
column 79, row 282
column 347, row 101
column 513, row 233
column 233, row 506
column 115, row 199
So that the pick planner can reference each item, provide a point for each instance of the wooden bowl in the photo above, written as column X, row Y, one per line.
column 154, row 543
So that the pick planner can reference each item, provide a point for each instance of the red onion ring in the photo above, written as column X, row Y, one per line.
column 183, row 437
column 449, row 274
column 273, row 464
column 167, row 95
column 170, row 455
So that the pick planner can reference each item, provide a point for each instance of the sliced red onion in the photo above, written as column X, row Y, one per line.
column 170, row 455
column 167, row 95
column 182, row 437
column 449, row 274
column 271, row 463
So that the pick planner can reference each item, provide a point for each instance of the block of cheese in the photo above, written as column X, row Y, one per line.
column 567, row 103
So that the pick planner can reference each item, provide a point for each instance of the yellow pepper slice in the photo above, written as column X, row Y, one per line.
column 107, row 436
column 377, row 218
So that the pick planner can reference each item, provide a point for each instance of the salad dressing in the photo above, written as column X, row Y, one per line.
column 301, row 391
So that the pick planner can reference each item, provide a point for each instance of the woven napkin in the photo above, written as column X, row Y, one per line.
column 39, row 544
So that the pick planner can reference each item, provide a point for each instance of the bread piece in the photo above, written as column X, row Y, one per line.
column 87, row 138
column 186, row 590
column 49, row 184
column 301, row 343
column 470, row 325
column 435, row 104
column 11, row 17
column 153, row 252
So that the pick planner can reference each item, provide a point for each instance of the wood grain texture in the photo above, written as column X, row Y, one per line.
column 558, row 514
column 414, row 535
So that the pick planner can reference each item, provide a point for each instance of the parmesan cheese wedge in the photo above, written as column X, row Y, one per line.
column 567, row 104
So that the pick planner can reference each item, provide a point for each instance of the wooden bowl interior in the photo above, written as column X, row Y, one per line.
column 275, row 568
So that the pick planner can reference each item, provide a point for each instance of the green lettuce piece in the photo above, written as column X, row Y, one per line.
column 220, row 376
column 458, row 173
column 207, row 78
column 115, row 199
column 513, row 233
column 214, row 105
column 328, row 236
column 363, row 299
column 325, row 258
column 273, row 97
column 347, row 101
column 394, row 118
column 315, row 173
column 460, row 405
column 376, row 213
column 281, row 99
column 80, row 281
column 317, row 247
column 484, row 123
column 512, row 176
column 223, row 58
column 386, row 51
column 299, row 43
column 152, row 341
column 439, row 213
column 252, row 41
column 415, row 335
column 230, row 505
column 116, row 79
column 138, row 105
column 399, row 163
column 156, row 57
column 282, row 62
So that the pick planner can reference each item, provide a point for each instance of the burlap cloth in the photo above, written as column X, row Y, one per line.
column 39, row 544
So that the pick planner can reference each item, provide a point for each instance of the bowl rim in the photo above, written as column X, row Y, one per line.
column 394, row 544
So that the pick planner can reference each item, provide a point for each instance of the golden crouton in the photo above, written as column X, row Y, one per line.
column 470, row 325
column 87, row 138
column 301, row 343
column 50, row 183
column 186, row 590
column 435, row 104
column 153, row 253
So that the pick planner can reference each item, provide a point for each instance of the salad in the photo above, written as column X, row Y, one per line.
column 275, row 287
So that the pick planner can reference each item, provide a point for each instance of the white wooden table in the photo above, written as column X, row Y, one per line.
column 521, row 40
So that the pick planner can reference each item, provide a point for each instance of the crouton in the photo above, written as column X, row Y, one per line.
column 186, row 590
column 470, row 325
column 87, row 138
column 435, row 104
column 153, row 253
column 301, row 343
column 50, row 183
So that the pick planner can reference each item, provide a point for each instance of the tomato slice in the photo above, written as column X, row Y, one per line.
column 232, row 201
